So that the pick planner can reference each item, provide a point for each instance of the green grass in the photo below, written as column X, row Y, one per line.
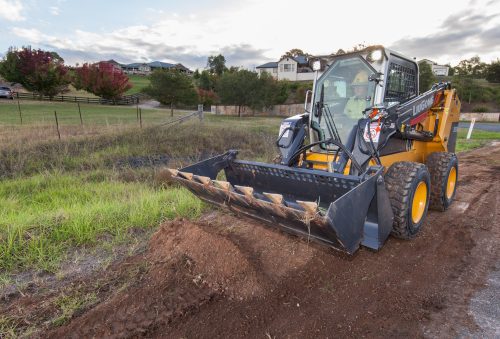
column 70, row 304
column 43, row 216
column 478, row 139
column 42, row 112
column 138, row 83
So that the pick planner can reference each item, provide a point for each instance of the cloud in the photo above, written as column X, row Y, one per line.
column 54, row 10
column 11, row 10
column 463, row 33
column 136, row 44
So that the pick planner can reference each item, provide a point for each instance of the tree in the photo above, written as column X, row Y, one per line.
column 451, row 70
column 206, row 81
column 216, row 64
column 102, row 79
column 245, row 88
column 37, row 71
column 207, row 97
column 471, row 67
column 493, row 72
column 294, row 52
column 235, row 88
column 425, row 77
column 171, row 87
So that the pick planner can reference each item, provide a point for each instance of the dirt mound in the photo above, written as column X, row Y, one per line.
column 226, row 276
column 188, row 265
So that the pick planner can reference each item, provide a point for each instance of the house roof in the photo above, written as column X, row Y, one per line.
column 133, row 65
column 158, row 64
column 301, row 59
column 269, row 65
column 114, row 62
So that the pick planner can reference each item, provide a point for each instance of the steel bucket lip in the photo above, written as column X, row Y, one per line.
column 300, row 170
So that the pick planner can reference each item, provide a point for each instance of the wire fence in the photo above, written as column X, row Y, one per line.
column 61, row 122
column 125, row 100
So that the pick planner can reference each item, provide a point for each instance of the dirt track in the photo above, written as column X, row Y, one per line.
column 225, row 276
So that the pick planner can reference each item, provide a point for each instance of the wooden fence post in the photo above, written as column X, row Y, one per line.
column 80, row 112
column 57, row 125
column 140, row 117
column 19, row 108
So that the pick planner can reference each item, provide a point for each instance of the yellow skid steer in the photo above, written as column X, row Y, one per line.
column 367, row 158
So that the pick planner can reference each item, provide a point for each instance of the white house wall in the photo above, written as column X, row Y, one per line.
column 272, row 71
column 290, row 75
column 305, row 76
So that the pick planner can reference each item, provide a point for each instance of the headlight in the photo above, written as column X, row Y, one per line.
column 375, row 55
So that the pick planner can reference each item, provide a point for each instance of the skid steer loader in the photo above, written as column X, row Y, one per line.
column 366, row 159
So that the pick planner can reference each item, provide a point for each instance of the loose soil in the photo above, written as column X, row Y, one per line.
column 227, row 276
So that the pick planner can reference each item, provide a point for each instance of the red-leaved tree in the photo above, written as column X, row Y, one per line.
column 207, row 97
column 38, row 71
column 102, row 79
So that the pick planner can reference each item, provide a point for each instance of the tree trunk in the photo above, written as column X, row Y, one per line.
column 239, row 111
column 171, row 109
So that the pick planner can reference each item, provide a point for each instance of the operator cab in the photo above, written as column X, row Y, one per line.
column 345, row 94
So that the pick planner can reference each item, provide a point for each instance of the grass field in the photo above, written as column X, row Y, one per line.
column 138, row 83
column 45, row 214
column 42, row 112
column 93, row 189
column 86, row 191
column 478, row 138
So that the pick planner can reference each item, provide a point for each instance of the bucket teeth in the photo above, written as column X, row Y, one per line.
column 246, row 190
column 309, row 206
column 203, row 180
column 222, row 185
column 172, row 172
column 186, row 175
column 275, row 198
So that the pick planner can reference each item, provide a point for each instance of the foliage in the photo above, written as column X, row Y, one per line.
column 101, row 79
column 207, row 97
column 480, row 109
column 245, row 88
column 472, row 90
column 237, row 88
column 171, row 87
column 38, row 71
column 207, row 81
column 216, row 64
column 493, row 72
column 297, row 91
column 425, row 77
column 472, row 67
column 294, row 52
column 355, row 48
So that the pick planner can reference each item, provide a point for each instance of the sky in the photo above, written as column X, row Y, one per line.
column 248, row 32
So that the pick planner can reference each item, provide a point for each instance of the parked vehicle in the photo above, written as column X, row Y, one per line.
column 6, row 92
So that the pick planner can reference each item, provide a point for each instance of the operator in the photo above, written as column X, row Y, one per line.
column 358, row 103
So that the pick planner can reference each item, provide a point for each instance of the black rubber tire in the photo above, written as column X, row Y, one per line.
column 401, row 181
column 440, row 165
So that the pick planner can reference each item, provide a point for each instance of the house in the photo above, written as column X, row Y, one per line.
column 438, row 70
column 147, row 68
column 289, row 68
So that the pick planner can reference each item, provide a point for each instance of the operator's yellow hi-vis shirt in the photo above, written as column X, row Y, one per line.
column 355, row 106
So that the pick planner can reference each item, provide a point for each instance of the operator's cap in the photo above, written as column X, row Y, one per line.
column 361, row 79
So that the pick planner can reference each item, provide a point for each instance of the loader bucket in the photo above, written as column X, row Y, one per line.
column 342, row 211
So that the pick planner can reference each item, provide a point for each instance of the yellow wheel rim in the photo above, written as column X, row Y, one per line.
column 452, row 181
column 419, row 202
